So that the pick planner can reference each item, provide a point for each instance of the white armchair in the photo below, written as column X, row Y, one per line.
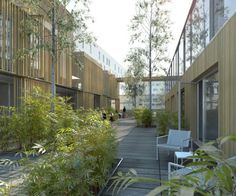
column 177, row 140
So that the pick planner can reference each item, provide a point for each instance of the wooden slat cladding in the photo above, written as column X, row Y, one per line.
column 97, row 85
column 220, row 54
column 92, row 76
column 14, row 40
column 23, row 86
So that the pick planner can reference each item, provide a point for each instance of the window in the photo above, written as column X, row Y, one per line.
column 7, row 91
column 1, row 36
column 90, row 48
column 208, row 96
column 34, row 42
column 188, row 44
column 1, row 41
column 199, row 28
column 63, row 65
column 6, row 48
column 230, row 8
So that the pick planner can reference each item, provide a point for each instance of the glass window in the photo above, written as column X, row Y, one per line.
column 1, row 37
column 177, row 63
column 230, row 8
column 208, row 108
column 8, row 45
column 188, row 45
column 217, row 15
column 7, row 91
column 181, row 55
column 206, row 5
column 34, row 42
column 199, row 29
column 211, row 88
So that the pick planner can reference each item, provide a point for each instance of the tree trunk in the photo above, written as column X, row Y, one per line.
column 150, row 62
column 53, row 54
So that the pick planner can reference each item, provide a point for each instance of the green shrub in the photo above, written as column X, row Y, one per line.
column 80, row 146
column 33, row 121
column 112, row 114
column 80, row 162
column 143, row 117
column 138, row 113
column 147, row 117
column 165, row 121
column 29, row 123
column 5, row 126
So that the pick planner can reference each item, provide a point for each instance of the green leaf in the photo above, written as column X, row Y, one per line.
column 158, row 190
column 227, row 138
column 186, row 191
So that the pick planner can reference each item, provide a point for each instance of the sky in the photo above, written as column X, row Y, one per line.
column 112, row 18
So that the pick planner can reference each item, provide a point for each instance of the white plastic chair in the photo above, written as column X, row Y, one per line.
column 177, row 140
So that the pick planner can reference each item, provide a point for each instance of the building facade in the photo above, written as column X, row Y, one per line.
column 158, row 97
column 106, row 61
column 97, row 88
column 18, row 76
column 205, row 60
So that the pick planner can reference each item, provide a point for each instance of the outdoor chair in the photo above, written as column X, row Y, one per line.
column 176, row 170
column 177, row 140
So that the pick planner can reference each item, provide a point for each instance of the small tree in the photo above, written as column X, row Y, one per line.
column 150, row 31
column 133, row 79
column 67, row 27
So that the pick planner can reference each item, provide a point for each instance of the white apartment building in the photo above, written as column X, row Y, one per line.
column 102, row 57
column 158, row 97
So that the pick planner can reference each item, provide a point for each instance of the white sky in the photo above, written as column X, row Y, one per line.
column 112, row 18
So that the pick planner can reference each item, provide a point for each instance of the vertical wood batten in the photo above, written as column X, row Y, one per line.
column 220, row 55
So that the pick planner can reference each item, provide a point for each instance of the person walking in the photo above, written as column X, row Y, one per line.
column 124, row 110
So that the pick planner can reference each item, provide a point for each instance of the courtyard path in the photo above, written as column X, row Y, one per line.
column 137, row 148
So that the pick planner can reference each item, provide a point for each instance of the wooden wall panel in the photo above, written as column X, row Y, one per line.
column 220, row 53
column 92, row 80
column 15, row 40
column 95, row 81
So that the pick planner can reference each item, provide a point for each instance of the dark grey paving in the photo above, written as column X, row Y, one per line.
column 138, row 150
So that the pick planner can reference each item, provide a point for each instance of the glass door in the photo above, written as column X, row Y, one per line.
column 208, row 95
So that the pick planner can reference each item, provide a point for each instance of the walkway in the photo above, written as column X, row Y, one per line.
column 137, row 147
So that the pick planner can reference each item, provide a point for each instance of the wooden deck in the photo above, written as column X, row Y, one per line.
column 137, row 148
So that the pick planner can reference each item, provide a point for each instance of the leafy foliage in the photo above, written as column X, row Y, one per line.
column 70, row 23
column 165, row 121
column 138, row 112
column 143, row 117
column 147, row 117
column 122, row 181
column 150, row 29
column 80, row 161
column 212, row 174
column 134, row 85
column 5, row 128
column 66, row 152
column 112, row 114
column 151, row 35
column 28, row 124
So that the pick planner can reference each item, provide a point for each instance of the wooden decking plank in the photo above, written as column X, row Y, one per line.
column 138, row 148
